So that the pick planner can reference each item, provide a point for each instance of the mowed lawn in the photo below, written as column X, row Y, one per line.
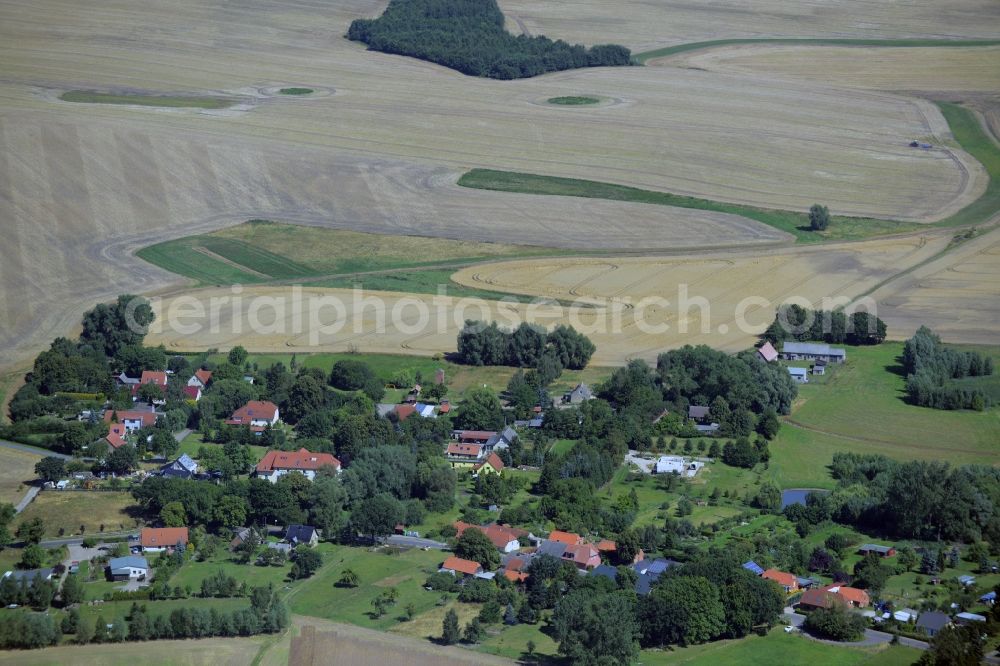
column 377, row 571
column 780, row 648
column 193, row 573
column 861, row 408
column 17, row 470
column 67, row 510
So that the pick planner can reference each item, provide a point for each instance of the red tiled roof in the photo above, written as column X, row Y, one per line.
column 475, row 435
column 300, row 460
column 500, row 535
column 582, row 553
column 851, row 594
column 116, row 436
column 203, row 375
column 259, row 410
column 462, row 566
column 780, row 577
column 493, row 460
column 163, row 537
column 565, row 537
column 515, row 564
column 464, row 450
column 515, row 576
column 403, row 411
column 148, row 418
column 157, row 377
column 818, row 599
column 192, row 392
column 444, row 408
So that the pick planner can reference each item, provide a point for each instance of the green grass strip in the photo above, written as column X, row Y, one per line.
column 573, row 100
column 645, row 56
column 969, row 134
column 296, row 91
column 175, row 102
column 795, row 223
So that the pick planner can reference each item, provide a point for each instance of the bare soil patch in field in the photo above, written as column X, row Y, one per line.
column 324, row 642
column 614, row 288
column 972, row 69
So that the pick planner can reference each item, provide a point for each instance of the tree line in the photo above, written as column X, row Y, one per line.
column 796, row 323
column 933, row 373
column 526, row 346
column 469, row 36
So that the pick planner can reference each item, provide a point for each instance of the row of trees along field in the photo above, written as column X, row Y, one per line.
column 526, row 346
column 469, row 36
column 796, row 323
column 934, row 373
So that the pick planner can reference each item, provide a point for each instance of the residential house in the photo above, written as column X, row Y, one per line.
column 567, row 538
column 200, row 378
column 581, row 393
column 156, row 539
column 933, row 622
column 698, row 413
column 132, row 419
column 488, row 439
column 818, row 598
column 258, row 413
column 800, row 375
column 583, row 555
column 881, row 551
column 181, row 468
column 492, row 465
column 767, row 352
column 605, row 571
column 116, row 435
column 787, row 581
column 505, row 538
column 239, row 536
column 156, row 377
column 456, row 565
column 276, row 464
column 807, row 351
column 464, row 455
column 125, row 381
column 132, row 567
column 192, row 393
column 302, row 534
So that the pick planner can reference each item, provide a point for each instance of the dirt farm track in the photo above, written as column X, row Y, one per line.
column 83, row 185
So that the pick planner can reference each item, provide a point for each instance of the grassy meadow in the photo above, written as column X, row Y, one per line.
column 17, row 469
column 861, row 407
column 67, row 510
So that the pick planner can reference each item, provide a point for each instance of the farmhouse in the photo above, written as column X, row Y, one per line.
column 128, row 568
column 767, row 352
column 932, row 622
column 881, row 551
column 808, row 351
column 156, row 539
column 800, row 375
column 456, row 565
column 787, row 581
column 276, row 464
column 258, row 413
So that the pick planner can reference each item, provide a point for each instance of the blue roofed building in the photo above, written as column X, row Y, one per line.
column 753, row 568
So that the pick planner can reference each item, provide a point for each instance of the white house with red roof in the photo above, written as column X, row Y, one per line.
column 200, row 378
column 131, row 419
column 116, row 436
column 276, row 464
column 258, row 413
column 193, row 392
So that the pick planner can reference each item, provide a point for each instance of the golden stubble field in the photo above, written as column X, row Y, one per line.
column 644, row 25
column 82, row 186
column 632, row 307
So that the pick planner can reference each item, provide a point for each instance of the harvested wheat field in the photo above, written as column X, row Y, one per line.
column 322, row 642
column 84, row 185
column 644, row 25
column 957, row 296
column 616, row 310
column 909, row 69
